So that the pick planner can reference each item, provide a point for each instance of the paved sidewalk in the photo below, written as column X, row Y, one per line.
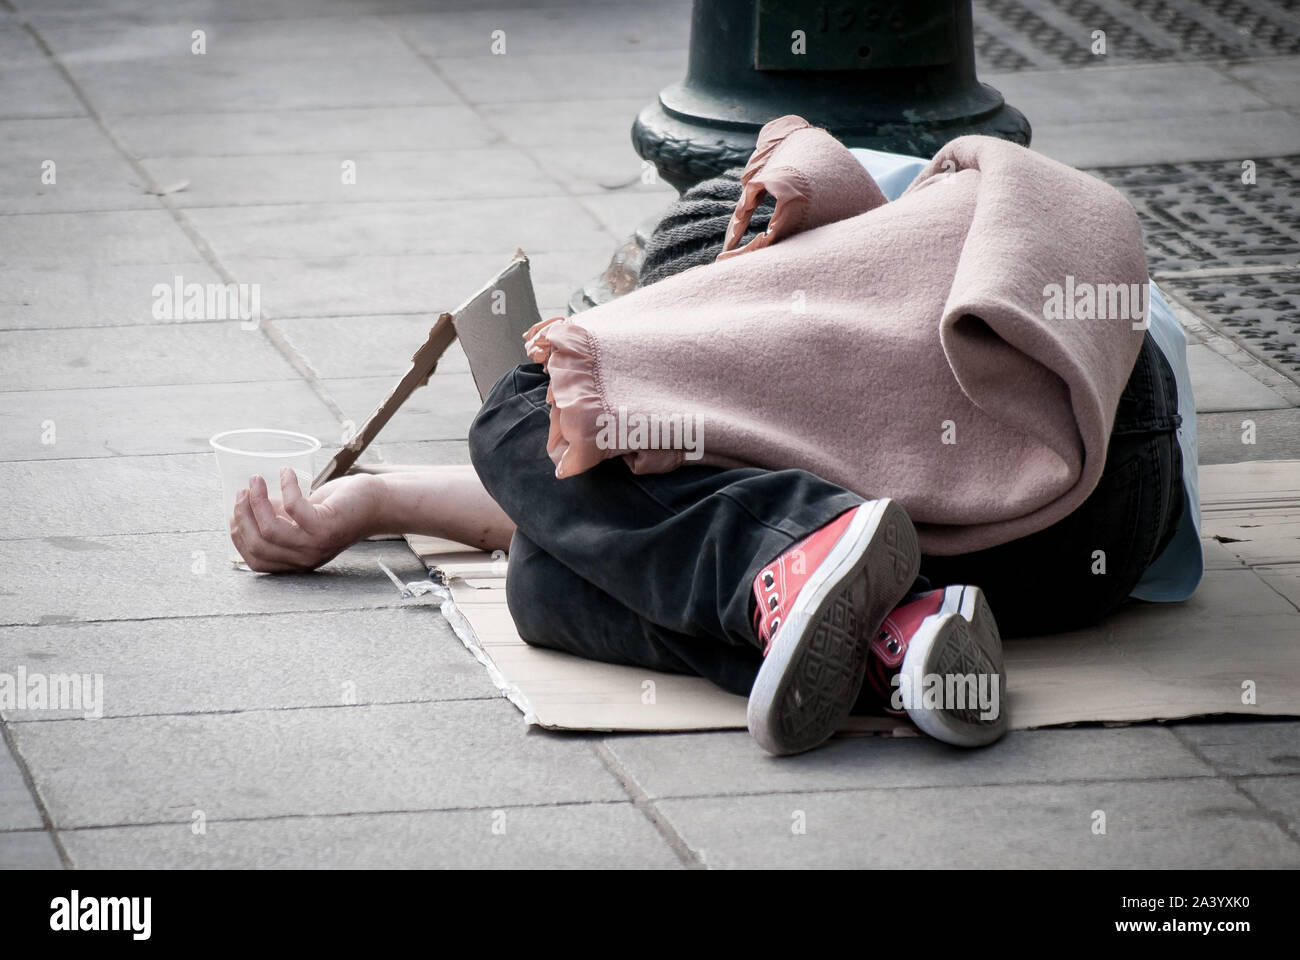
column 315, row 720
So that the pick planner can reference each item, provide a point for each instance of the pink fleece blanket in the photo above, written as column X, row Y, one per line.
column 961, row 349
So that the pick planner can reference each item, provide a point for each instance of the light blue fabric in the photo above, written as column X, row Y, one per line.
column 1176, row 572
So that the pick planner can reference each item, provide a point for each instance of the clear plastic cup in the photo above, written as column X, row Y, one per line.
column 243, row 453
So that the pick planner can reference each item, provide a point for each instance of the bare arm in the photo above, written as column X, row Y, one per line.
column 444, row 501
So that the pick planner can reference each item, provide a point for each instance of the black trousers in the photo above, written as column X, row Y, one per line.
column 656, row 570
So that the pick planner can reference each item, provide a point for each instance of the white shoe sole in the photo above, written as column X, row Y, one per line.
column 962, row 638
column 811, row 676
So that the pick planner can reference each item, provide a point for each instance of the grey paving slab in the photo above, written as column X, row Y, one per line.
column 1224, row 596
column 353, row 285
column 709, row 764
column 36, row 89
column 17, row 809
column 566, row 122
column 262, row 662
column 362, row 759
column 622, row 211
column 99, row 497
column 607, row 167
column 60, row 11
column 1056, row 97
column 1277, row 81
column 87, row 172
column 116, row 237
column 1219, row 385
column 201, row 83
column 592, row 76
column 441, row 410
column 83, row 293
column 17, row 48
column 1156, row 824
column 232, row 43
column 152, row 355
column 1285, row 579
column 1245, row 748
column 258, row 126
column 607, row 28
column 580, row 836
column 1276, row 434
column 427, row 451
column 145, row 421
column 62, row 579
column 1221, row 136
column 445, row 174
column 371, row 346
column 28, row 850
column 313, row 231
column 1278, row 795
column 274, row 132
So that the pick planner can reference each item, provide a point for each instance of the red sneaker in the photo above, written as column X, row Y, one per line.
column 938, row 661
column 819, row 605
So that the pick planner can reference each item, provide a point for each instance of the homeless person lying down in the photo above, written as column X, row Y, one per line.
column 811, row 467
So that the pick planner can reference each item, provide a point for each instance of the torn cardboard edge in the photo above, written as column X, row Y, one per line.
column 1147, row 662
column 423, row 363
column 490, row 326
column 612, row 697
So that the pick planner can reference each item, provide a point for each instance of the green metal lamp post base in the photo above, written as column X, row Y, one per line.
column 896, row 76
column 893, row 76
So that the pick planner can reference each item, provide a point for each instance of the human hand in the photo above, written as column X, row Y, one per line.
column 301, row 533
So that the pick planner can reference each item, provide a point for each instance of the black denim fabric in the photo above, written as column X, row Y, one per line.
column 656, row 570
column 1045, row 582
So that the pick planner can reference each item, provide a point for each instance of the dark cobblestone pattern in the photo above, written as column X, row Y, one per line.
column 1051, row 34
column 1261, row 311
column 1198, row 215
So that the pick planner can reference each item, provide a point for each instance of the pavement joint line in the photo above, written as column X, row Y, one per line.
column 243, row 710
column 1224, row 69
column 200, row 243
column 125, row 456
column 1233, row 780
column 221, row 616
column 179, row 453
column 133, row 115
column 289, row 154
column 135, row 386
column 105, row 536
column 93, row 327
column 529, row 195
column 345, row 814
column 1268, row 582
column 685, row 854
column 391, row 605
column 1198, row 273
column 566, row 803
column 1238, row 354
column 37, row 800
column 435, row 67
column 965, row 786
column 77, row 213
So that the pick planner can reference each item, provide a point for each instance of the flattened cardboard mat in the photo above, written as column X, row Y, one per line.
column 1238, row 635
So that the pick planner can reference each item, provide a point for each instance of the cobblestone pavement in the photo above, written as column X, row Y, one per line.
column 314, row 720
